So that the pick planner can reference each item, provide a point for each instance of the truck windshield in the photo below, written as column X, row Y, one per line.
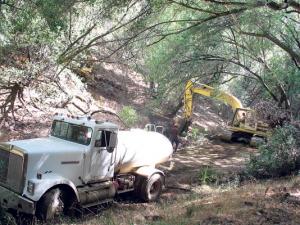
column 71, row 132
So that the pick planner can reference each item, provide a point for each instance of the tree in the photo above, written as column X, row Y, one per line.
column 170, row 41
column 41, row 38
column 224, row 40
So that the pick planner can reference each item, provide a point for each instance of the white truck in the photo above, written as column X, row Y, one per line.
column 83, row 162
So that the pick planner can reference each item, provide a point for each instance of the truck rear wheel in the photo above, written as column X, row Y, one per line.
column 51, row 205
column 151, row 188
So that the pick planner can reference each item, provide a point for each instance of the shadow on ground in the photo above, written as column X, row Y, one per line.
column 183, row 170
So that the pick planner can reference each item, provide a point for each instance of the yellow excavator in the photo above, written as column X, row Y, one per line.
column 244, row 125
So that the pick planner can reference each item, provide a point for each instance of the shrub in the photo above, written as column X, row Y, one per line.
column 197, row 135
column 279, row 156
column 129, row 116
column 194, row 134
column 271, row 113
column 207, row 175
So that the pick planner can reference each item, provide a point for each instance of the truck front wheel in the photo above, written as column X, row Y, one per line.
column 51, row 205
column 151, row 188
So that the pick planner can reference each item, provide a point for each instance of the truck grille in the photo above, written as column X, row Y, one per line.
column 11, row 169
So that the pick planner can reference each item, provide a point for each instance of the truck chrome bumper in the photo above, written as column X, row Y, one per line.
column 11, row 200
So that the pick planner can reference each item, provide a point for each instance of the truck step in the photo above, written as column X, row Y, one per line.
column 97, row 203
column 124, row 191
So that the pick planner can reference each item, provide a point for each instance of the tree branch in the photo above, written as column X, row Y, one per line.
column 193, row 8
column 276, row 41
column 246, row 68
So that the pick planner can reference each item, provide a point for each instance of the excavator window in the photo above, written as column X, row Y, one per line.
column 244, row 119
column 250, row 121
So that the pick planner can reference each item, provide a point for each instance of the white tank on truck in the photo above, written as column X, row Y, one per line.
column 138, row 148
column 82, row 163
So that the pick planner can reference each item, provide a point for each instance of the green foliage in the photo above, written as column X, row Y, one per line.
column 194, row 133
column 55, row 12
column 129, row 116
column 208, row 175
column 279, row 157
column 177, row 40
column 217, row 50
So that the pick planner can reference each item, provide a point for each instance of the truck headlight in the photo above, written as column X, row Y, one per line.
column 30, row 187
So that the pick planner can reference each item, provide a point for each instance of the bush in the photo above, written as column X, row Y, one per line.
column 129, row 116
column 207, row 175
column 279, row 156
column 197, row 135
column 194, row 133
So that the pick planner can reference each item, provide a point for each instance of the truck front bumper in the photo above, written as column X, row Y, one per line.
column 11, row 200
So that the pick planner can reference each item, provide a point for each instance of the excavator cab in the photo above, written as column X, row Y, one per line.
column 246, row 121
column 244, row 118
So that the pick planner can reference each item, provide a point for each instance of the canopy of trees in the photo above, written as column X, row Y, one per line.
column 252, row 46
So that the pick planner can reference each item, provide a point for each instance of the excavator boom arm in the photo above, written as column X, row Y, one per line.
column 208, row 91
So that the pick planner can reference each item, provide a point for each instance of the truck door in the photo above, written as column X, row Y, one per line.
column 103, row 157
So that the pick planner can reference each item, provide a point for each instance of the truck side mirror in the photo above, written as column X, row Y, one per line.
column 112, row 141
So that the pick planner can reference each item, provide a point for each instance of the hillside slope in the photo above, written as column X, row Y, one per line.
column 109, row 87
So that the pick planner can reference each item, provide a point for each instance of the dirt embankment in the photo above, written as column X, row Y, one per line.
column 107, row 88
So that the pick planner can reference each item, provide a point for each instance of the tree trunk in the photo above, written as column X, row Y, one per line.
column 176, row 108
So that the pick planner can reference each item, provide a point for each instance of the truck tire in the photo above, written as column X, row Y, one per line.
column 151, row 188
column 257, row 141
column 25, row 219
column 51, row 205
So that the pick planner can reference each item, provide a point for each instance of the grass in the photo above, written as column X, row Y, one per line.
column 242, row 205
column 208, row 175
column 238, row 205
column 208, row 205
column 246, row 204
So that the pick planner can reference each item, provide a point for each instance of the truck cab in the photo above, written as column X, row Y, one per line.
column 82, row 163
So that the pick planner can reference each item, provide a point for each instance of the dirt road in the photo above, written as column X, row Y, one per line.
column 183, row 170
